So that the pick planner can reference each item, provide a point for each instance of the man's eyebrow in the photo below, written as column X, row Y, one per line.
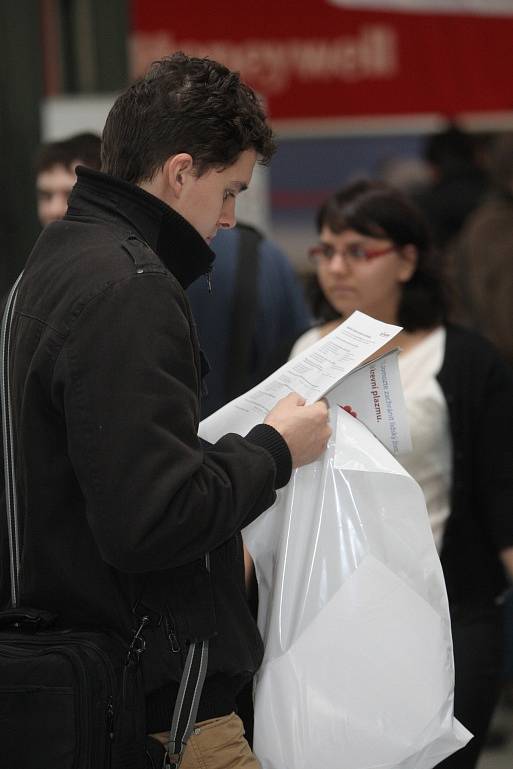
column 241, row 186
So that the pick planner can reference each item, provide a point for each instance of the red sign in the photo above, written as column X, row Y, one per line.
column 312, row 59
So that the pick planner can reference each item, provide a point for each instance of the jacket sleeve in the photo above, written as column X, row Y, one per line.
column 127, row 380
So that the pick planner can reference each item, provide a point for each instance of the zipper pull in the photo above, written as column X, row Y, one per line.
column 209, row 281
column 138, row 644
column 172, row 637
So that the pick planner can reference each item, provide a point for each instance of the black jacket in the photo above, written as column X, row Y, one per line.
column 120, row 499
column 478, row 388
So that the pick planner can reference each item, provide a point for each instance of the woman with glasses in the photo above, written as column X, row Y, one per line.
column 374, row 254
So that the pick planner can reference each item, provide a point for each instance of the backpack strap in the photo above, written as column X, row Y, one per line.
column 244, row 311
column 8, row 442
column 187, row 702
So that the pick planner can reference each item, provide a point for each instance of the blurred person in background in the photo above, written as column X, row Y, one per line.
column 481, row 262
column 55, row 172
column 481, row 269
column 248, row 314
column 410, row 175
column 375, row 255
column 459, row 183
column 249, row 317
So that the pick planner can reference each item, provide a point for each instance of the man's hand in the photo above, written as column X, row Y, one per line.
column 304, row 428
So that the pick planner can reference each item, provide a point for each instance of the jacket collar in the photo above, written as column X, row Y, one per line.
column 176, row 242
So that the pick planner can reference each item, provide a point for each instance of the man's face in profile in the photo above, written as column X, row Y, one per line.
column 53, row 188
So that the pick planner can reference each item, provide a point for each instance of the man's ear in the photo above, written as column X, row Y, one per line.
column 178, row 169
column 409, row 258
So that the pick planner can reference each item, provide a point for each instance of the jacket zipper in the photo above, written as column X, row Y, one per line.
column 109, row 730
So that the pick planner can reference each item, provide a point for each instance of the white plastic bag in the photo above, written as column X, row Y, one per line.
column 358, row 669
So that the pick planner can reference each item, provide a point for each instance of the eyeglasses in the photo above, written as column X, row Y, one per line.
column 355, row 253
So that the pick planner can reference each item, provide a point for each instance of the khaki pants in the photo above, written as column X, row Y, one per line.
column 218, row 743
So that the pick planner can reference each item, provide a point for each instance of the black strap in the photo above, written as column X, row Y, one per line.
column 186, row 707
column 11, row 498
column 187, row 702
column 244, row 312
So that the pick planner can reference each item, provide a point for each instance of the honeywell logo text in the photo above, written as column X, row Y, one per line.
column 271, row 65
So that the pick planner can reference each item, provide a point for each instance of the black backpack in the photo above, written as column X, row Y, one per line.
column 67, row 698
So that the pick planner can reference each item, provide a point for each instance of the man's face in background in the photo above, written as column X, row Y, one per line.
column 53, row 188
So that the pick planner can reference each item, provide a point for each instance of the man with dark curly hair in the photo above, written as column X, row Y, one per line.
column 130, row 522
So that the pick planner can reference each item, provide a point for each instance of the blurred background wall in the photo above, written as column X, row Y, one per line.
column 20, row 98
column 59, row 59
column 353, row 88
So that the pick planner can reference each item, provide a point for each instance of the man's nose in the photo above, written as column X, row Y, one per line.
column 227, row 219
